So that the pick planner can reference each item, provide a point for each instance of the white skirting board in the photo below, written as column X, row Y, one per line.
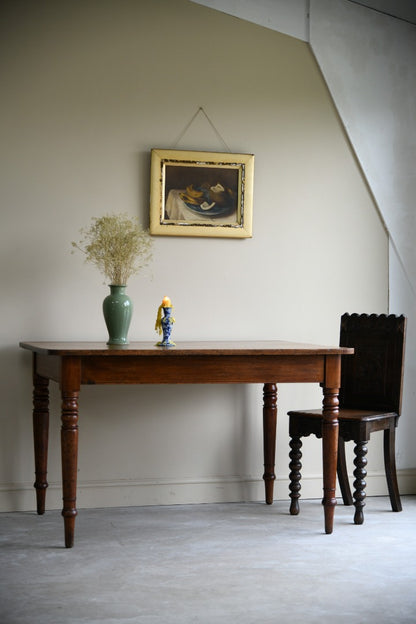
column 126, row 493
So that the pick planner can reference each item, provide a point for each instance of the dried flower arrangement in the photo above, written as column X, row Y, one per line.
column 117, row 245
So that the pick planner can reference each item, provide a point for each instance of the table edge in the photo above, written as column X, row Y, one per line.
column 184, row 348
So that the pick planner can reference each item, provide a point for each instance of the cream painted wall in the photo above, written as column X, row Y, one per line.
column 88, row 89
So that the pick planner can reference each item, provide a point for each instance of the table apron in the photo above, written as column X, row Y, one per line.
column 201, row 369
column 48, row 366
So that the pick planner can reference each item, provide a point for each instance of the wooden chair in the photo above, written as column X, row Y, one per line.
column 369, row 400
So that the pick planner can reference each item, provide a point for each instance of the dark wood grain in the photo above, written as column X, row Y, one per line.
column 40, row 436
column 201, row 348
column 269, row 437
column 369, row 401
column 267, row 362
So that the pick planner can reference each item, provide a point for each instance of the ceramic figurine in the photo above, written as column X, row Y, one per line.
column 164, row 323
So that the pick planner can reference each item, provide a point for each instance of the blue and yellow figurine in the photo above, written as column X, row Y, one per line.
column 164, row 323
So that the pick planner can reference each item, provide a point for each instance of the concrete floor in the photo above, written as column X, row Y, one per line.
column 240, row 562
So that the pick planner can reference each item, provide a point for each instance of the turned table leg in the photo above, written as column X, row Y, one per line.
column 40, row 437
column 69, row 450
column 330, row 453
column 269, row 437
column 70, row 384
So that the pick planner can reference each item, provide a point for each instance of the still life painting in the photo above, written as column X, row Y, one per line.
column 201, row 193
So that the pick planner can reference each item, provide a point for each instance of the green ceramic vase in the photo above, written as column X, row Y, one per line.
column 117, row 310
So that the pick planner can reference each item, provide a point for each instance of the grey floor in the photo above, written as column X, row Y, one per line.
column 243, row 563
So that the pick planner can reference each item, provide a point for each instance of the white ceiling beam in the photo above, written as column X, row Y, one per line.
column 286, row 16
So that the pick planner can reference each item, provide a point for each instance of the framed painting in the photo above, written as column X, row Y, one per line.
column 201, row 193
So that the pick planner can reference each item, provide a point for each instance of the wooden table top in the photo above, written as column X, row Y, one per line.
column 183, row 348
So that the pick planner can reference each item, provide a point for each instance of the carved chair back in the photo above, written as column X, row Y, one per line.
column 372, row 378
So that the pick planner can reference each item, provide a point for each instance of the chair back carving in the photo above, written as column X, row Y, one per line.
column 372, row 378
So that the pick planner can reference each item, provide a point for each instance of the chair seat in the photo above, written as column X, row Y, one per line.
column 346, row 414
column 354, row 424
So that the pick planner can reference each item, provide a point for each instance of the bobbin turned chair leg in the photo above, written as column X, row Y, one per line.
column 295, row 467
column 360, row 473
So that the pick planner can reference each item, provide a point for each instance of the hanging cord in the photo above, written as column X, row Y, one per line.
column 201, row 110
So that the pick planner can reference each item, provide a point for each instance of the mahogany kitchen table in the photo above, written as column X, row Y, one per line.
column 72, row 364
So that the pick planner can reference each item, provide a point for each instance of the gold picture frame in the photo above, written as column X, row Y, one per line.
column 201, row 193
